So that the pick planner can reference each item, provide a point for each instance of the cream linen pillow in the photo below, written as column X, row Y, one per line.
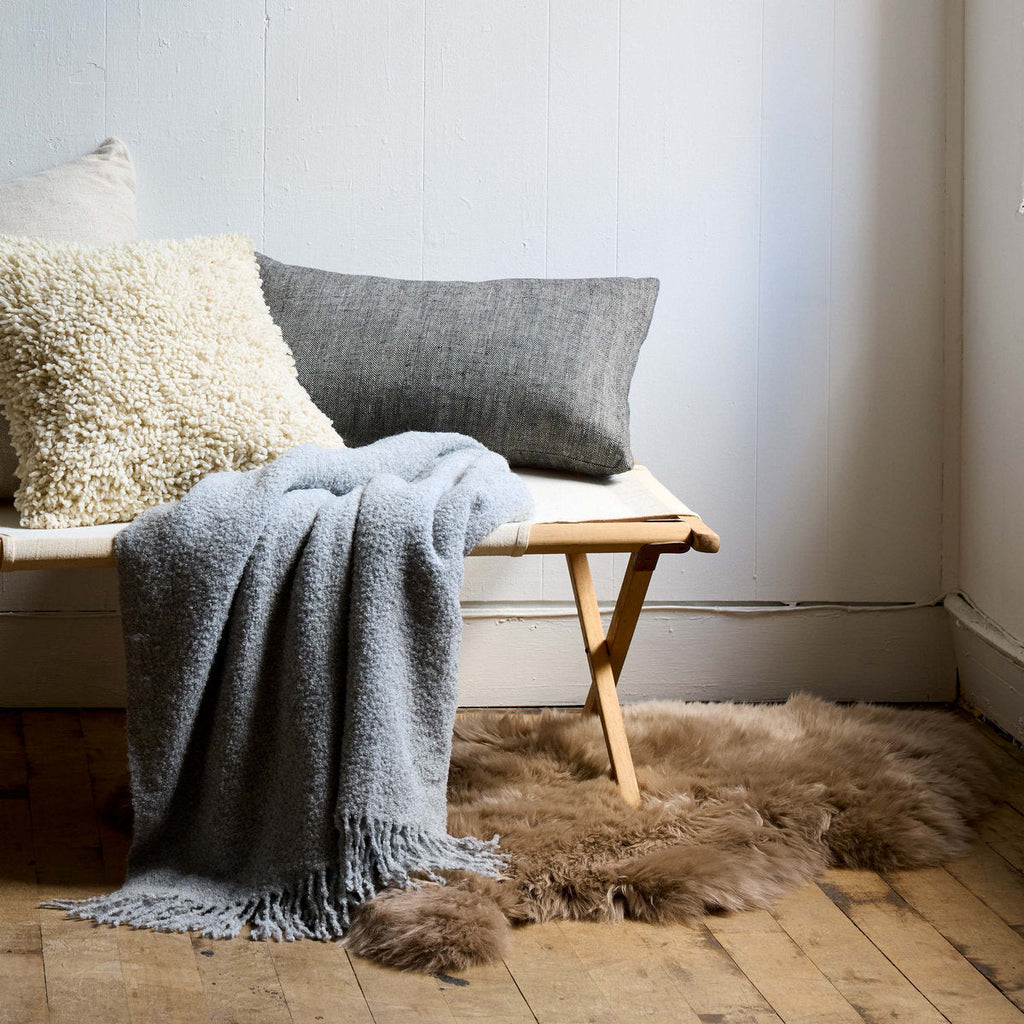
column 129, row 372
column 89, row 200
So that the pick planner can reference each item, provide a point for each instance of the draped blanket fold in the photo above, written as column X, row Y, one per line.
column 292, row 639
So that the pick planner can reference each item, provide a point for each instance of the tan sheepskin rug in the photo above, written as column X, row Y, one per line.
column 740, row 804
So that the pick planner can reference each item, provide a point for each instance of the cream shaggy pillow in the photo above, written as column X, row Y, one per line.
column 128, row 372
column 89, row 200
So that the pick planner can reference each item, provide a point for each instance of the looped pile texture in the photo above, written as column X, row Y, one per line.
column 129, row 372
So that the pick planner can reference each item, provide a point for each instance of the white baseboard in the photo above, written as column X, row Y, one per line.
column 533, row 656
column 990, row 663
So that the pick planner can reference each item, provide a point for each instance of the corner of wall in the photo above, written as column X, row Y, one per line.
column 953, row 297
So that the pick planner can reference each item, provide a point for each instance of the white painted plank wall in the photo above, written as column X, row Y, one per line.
column 886, row 309
column 344, row 135
column 991, row 538
column 52, row 60
column 779, row 166
column 688, row 191
column 184, row 89
column 993, row 407
column 791, row 480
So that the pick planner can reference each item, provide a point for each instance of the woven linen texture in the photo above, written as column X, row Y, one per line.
column 537, row 370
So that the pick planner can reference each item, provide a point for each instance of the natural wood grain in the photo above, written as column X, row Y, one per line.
column 747, row 921
column 993, row 880
column 563, row 538
column 918, row 950
column 628, row 606
column 395, row 997
column 161, row 979
column 239, row 981
column 1006, row 759
column 318, row 982
column 781, row 971
column 977, row 932
column 84, row 983
column 486, row 993
column 848, row 959
column 704, row 974
column 107, row 755
column 888, row 954
column 637, row 990
column 603, row 678
column 82, row 962
column 23, row 990
column 65, row 838
column 1003, row 831
column 553, row 979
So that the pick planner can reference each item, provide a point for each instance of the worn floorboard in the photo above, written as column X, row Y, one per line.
column 941, row 945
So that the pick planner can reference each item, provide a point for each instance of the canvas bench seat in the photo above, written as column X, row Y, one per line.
column 630, row 512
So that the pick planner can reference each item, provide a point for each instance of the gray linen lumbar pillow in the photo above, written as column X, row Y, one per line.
column 89, row 201
column 537, row 370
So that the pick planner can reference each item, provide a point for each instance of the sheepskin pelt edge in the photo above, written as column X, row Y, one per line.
column 740, row 803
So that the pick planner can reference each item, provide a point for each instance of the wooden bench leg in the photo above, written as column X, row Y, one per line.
column 606, row 654
column 606, row 700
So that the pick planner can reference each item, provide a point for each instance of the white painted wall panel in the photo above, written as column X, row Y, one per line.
column 344, row 149
column 992, row 551
column 52, row 65
column 184, row 89
column 530, row 656
column 688, row 213
column 778, row 166
column 581, row 212
column 793, row 300
column 581, row 203
column 485, row 146
column 886, row 310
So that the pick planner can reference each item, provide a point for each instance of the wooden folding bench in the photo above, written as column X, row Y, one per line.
column 574, row 516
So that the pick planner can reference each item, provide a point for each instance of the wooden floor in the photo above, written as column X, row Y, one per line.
column 944, row 944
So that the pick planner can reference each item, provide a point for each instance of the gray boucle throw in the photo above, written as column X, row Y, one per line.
column 292, row 637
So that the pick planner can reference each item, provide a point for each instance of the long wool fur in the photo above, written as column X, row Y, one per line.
column 740, row 804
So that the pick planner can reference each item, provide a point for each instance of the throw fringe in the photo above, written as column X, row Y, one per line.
column 375, row 855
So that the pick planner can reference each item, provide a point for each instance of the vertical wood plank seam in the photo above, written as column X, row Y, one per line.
column 757, row 300
column 508, row 971
column 352, row 966
column 273, row 963
column 547, row 144
column 924, row 921
column 981, row 899
column 618, row 133
column 32, row 852
column 713, row 940
column 1002, row 857
column 828, row 303
column 106, row 65
column 953, row 309
column 821, row 974
column 874, row 945
column 263, row 150
column 423, row 149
